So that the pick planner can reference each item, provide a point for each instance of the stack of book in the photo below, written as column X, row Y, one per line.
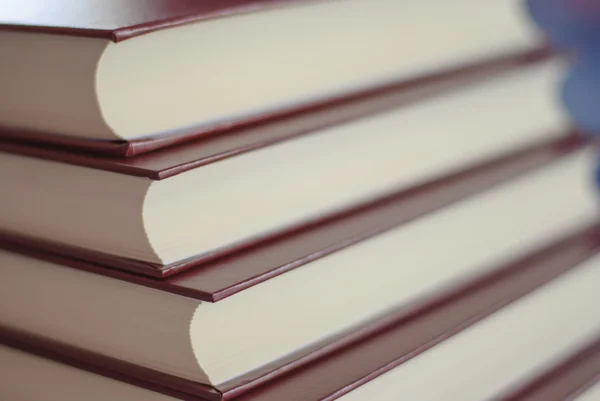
column 291, row 200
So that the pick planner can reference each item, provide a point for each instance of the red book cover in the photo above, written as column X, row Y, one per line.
column 121, row 20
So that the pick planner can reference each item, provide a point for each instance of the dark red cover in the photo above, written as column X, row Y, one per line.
column 119, row 20
column 193, row 149
column 219, row 278
column 565, row 381
column 329, row 370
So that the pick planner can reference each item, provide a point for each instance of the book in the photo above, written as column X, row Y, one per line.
column 502, row 350
column 201, row 149
column 374, row 349
column 223, row 277
column 101, row 75
column 214, row 209
column 200, row 343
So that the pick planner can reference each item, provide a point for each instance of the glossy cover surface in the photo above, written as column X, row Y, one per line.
column 330, row 370
column 213, row 280
column 118, row 20
column 182, row 152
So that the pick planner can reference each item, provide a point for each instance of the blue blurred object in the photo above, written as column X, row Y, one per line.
column 575, row 25
column 581, row 91
column 568, row 23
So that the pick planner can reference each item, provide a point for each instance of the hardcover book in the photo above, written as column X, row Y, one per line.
column 123, row 78
column 223, row 277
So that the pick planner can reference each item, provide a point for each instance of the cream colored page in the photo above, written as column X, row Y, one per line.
column 279, row 186
column 255, row 62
